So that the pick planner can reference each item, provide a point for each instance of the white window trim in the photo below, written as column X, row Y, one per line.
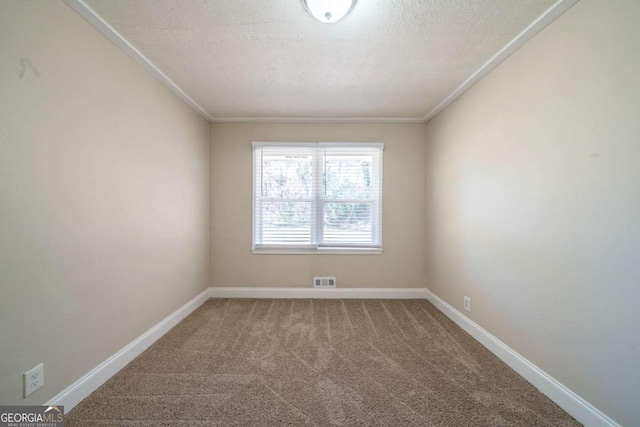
column 313, row 250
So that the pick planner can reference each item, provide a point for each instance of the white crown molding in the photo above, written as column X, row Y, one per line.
column 550, row 15
column 359, row 293
column 109, row 32
column 318, row 120
column 93, row 379
column 575, row 405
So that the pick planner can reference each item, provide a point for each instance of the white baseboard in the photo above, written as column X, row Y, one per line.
column 575, row 405
column 363, row 293
column 86, row 385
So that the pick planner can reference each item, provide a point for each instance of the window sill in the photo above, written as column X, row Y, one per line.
column 314, row 251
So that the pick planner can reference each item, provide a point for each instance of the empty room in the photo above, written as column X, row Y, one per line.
column 319, row 213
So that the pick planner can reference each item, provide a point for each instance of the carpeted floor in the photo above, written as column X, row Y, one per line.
column 266, row 362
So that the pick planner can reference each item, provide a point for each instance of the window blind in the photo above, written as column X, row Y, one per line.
column 317, row 196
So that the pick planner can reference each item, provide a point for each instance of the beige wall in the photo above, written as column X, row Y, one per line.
column 104, row 199
column 401, row 264
column 524, row 198
column 534, row 203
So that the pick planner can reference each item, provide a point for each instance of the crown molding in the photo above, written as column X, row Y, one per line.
column 550, row 15
column 317, row 120
column 109, row 32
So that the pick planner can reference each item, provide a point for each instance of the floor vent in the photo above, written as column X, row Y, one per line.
column 324, row 282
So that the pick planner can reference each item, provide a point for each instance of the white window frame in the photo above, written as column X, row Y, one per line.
column 319, row 205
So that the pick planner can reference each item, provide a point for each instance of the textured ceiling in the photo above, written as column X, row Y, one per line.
column 270, row 58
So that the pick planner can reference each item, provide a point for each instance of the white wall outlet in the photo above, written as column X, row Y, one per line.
column 467, row 304
column 33, row 379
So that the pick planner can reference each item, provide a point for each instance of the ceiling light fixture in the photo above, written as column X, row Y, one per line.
column 329, row 11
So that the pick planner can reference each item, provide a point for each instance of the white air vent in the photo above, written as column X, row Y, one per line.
column 324, row 282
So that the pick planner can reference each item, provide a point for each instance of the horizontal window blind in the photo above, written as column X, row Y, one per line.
column 317, row 195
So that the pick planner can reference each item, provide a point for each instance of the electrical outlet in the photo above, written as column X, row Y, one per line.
column 467, row 304
column 33, row 379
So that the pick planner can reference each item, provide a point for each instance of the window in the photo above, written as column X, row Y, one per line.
column 317, row 197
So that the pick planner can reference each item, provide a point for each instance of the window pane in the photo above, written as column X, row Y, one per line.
column 287, row 176
column 313, row 196
column 348, row 176
column 286, row 223
column 347, row 223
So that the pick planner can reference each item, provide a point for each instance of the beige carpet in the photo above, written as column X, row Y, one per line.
column 266, row 362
